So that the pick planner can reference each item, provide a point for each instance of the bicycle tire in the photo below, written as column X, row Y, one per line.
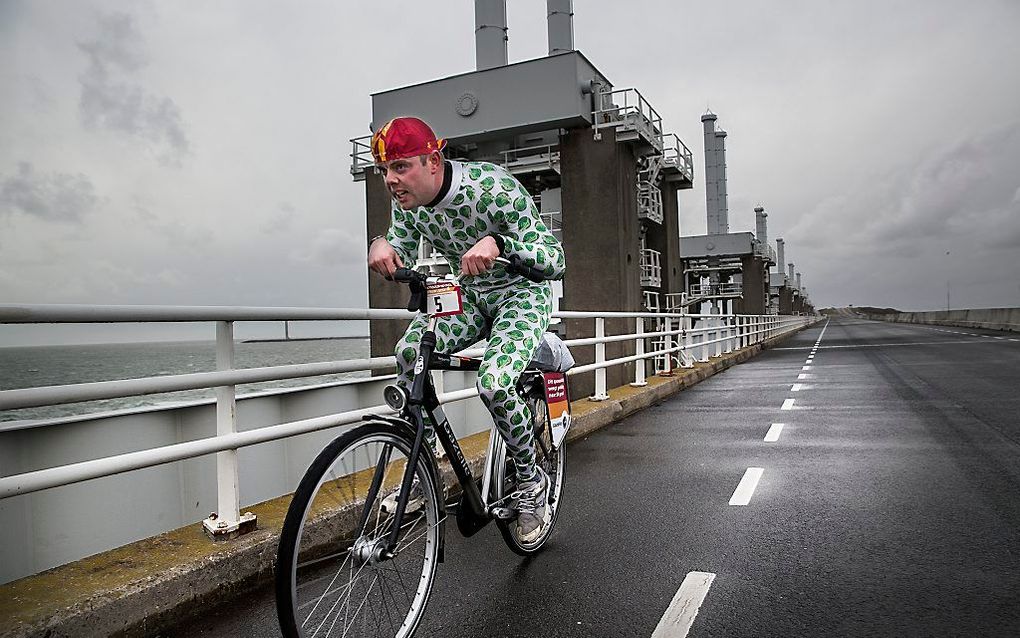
column 318, row 543
column 554, row 465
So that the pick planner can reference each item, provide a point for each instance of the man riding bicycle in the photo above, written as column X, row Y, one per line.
column 472, row 213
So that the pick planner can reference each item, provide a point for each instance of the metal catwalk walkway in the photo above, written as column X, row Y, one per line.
column 886, row 504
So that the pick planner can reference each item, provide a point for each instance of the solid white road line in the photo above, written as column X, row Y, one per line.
column 788, row 404
column 774, row 431
column 680, row 614
column 745, row 488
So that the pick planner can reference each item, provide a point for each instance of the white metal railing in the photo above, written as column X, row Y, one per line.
column 629, row 112
column 650, row 300
column 679, row 337
column 651, row 270
column 728, row 289
column 676, row 156
column 361, row 157
column 530, row 159
column 765, row 251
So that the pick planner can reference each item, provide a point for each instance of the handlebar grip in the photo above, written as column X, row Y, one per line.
column 531, row 273
column 404, row 275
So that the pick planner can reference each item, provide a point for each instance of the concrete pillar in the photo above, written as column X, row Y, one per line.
column 715, row 177
column 382, row 293
column 755, row 287
column 601, row 234
column 560, row 14
column 490, row 34
column 665, row 238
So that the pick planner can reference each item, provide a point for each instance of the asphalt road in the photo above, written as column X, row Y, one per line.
column 888, row 506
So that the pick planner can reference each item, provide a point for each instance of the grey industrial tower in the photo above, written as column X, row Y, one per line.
column 596, row 159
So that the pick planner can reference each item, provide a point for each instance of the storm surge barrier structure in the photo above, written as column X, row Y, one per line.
column 45, row 529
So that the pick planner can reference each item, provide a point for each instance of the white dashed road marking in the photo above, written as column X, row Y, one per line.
column 745, row 488
column 788, row 404
column 679, row 616
column 774, row 431
column 796, row 387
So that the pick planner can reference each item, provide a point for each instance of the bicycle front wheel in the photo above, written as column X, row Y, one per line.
column 334, row 579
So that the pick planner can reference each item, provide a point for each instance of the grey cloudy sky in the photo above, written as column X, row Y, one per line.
column 197, row 153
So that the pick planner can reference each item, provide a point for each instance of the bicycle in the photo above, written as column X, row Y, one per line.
column 342, row 559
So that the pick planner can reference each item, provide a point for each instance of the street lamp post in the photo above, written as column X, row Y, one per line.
column 947, row 285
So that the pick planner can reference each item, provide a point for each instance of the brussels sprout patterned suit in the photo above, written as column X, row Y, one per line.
column 484, row 199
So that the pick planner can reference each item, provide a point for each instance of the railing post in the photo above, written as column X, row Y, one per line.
column 686, row 358
column 226, row 522
column 639, row 367
column 718, row 336
column 728, row 324
column 600, row 357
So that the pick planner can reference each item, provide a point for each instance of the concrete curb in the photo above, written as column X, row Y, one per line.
column 147, row 586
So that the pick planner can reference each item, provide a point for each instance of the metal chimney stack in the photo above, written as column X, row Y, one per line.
column 715, row 177
column 798, row 281
column 761, row 225
column 560, row 14
column 490, row 34
column 780, row 254
column 791, row 277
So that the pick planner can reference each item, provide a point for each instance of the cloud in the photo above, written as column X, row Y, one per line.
column 59, row 197
column 331, row 246
column 110, row 100
column 962, row 192
column 282, row 221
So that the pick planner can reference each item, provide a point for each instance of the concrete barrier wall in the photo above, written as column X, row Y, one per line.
column 991, row 318
column 52, row 527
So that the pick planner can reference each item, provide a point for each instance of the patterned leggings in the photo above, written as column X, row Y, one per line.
column 514, row 319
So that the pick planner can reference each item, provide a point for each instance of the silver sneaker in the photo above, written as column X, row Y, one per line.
column 415, row 501
column 531, row 505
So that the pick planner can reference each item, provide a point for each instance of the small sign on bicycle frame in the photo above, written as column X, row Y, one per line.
column 444, row 299
column 559, row 405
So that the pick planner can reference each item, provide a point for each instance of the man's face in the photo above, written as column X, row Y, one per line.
column 410, row 182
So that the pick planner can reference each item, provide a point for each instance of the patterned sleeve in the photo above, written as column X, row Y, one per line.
column 403, row 235
column 523, row 232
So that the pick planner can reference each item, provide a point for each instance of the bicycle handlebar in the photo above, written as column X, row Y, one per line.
column 514, row 265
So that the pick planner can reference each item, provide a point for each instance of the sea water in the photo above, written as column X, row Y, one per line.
column 35, row 366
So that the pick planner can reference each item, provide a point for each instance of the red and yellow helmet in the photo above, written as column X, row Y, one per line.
column 404, row 137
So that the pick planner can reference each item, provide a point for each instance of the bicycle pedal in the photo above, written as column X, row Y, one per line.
column 503, row 513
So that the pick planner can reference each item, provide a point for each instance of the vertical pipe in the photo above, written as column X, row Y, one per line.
column 600, row 357
column 490, row 34
column 761, row 225
column 713, row 205
column 560, row 16
column 724, row 205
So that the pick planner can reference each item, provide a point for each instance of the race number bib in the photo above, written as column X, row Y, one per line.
column 559, row 405
column 444, row 299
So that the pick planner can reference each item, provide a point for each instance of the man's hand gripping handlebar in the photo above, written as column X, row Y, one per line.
column 417, row 281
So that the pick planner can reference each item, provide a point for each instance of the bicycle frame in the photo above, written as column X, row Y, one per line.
column 422, row 398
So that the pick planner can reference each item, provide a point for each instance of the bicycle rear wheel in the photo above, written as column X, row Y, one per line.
column 333, row 579
column 552, row 460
